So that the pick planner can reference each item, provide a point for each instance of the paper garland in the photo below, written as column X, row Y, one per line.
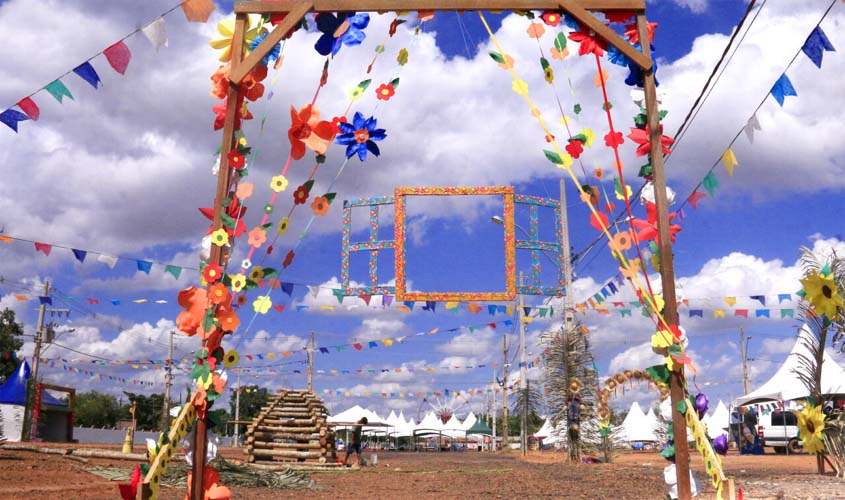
column 99, row 376
column 118, row 56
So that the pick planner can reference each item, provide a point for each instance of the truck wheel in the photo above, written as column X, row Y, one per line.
column 794, row 446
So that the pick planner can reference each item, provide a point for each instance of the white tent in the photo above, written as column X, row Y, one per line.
column 431, row 422
column 719, row 421
column 545, row 431
column 469, row 421
column 785, row 384
column 353, row 414
column 637, row 427
column 453, row 427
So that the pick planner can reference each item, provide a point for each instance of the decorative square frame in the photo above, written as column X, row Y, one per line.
column 373, row 245
column 507, row 193
column 536, row 246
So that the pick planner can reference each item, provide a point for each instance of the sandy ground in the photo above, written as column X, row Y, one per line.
column 31, row 476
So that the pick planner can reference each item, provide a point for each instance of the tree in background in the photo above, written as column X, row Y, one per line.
column 94, row 409
column 148, row 410
column 535, row 405
column 252, row 399
column 10, row 342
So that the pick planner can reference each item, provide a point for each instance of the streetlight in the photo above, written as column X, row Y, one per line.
column 498, row 220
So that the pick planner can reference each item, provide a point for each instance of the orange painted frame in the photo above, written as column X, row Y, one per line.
column 507, row 193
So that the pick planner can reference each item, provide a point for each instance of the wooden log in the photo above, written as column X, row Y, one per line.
column 280, row 428
column 306, row 467
column 270, row 436
column 286, row 453
column 290, row 446
column 291, row 422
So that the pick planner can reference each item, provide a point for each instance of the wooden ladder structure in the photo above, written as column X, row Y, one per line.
column 291, row 428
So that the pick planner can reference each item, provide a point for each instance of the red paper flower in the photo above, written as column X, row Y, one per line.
column 589, row 42
column 647, row 229
column 596, row 217
column 336, row 121
column 385, row 91
column 235, row 211
column 614, row 139
column 288, row 259
column 253, row 88
column 218, row 293
column 634, row 35
column 320, row 205
column 619, row 17
column 220, row 111
column 300, row 196
column 641, row 137
column 551, row 18
column 212, row 273
column 575, row 148
column 275, row 19
column 236, row 159
column 307, row 130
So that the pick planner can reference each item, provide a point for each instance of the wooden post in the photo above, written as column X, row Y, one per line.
column 667, row 272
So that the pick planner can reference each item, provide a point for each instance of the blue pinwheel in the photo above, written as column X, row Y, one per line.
column 274, row 53
column 359, row 135
column 329, row 25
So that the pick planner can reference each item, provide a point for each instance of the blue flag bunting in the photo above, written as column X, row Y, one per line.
column 409, row 304
column 11, row 117
column 88, row 73
column 816, row 45
column 287, row 288
column 696, row 312
column 46, row 300
column 783, row 88
column 760, row 298
column 145, row 266
column 79, row 254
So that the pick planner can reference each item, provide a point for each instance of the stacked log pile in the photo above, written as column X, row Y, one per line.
column 292, row 428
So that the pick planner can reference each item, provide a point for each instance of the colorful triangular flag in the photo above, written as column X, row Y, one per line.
column 783, row 88
column 815, row 46
column 729, row 160
column 88, row 73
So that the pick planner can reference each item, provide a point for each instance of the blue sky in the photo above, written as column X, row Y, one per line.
column 141, row 160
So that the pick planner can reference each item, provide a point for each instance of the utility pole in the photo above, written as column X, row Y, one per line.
column 237, row 409
column 494, row 409
column 523, row 376
column 743, row 343
column 568, row 312
column 311, row 363
column 168, row 379
column 677, row 389
column 505, row 444
column 28, row 431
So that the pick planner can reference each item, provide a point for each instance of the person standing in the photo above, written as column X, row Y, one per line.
column 355, row 445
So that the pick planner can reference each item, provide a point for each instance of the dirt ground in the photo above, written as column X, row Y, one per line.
column 32, row 476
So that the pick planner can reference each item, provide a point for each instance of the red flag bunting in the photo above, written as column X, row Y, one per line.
column 30, row 108
column 118, row 56
column 43, row 248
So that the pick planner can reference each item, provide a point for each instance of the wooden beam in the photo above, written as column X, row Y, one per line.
column 577, row 11
column 667, row 271
column 295, row 15
column 277, row 6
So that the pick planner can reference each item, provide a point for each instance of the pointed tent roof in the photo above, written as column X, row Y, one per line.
column 392, row 419
column 719, row 421
column 479, row 427
column 785, row 384
column 13, row 390
column 453, row 427
column 469, row 421
column 430, row 422
column 546, row 430
column 352, row 414
column 637, row 426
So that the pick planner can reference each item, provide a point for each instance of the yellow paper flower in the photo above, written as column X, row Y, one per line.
column 661, row 340
column 204, row 383
column 810, row 427
column 238, row 282
column 356, row 93
column 230, row 359
column 520, row 87
column 226, row 28
column 822, row 293
column 283, row 225
column 590, row 135
column 220, row 237
column 628, row 190
column 262, row 304
column 256, row 273
column 278, row 183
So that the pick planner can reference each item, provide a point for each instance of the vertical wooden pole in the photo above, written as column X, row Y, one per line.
column 218, row 254
column 667, row 272
column 505, row 427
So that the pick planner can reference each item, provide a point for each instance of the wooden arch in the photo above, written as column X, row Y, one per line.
column 580, row 10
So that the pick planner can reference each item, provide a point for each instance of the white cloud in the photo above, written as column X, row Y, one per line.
column 377, row 329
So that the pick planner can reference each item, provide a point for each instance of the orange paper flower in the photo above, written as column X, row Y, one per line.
column 194, row 301
column 218, row 293
column 307, row 130
column 229, row 320
column 320, row 205
column 257, row 237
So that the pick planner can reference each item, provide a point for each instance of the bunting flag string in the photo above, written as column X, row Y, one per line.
column 628, row 310
column 100, row 376
column 117, row 55
column 411, row 394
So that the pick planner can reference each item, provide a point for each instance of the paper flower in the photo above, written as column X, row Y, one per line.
column 551, row 18
column 237, row 160
column 343, row 29
column 246, row 264
column 226, row 28
column 283, row 226
column 320, row 205
column 621, row 241
column 822, row 293
column 288, row 259
column 631, row 270
column 257, row 237
column 220, row 82
column 307, row 130
column 212, row 273
column 647, row 229
column 661, row 341
column 218, row 293
column 598, row 173
column 549, row 74
column 590, row 43
column 228, row 320
column 193, row 300
column 613, row 139
column 641, row 137
column 701, row 404
column 220, row 112
column 274, row 53
column 253, row 88
column 575, row 148
column 230, row 359
column 359, row 135
column 234, row 211
column 385, row 91
column 810, row 427
column 633, row 33
column 262, row 304
column 336, row 121
column 199, row 400
column 238, row 282
column 244, row 190
column 256, row 274
column 720, row 444
column 300, row 196
column 559, row 54
column 220, row 237
column 535, row 30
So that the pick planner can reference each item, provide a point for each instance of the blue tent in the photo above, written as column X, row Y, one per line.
column 13, row 390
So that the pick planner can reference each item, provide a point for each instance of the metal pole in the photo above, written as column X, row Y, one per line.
column 667, row 271
column 28, row 430
column 168, row 378
column 311, row 362
column 744, row 346
column 568, row 313
column 494, row 409
column 238, row 410
column 505, row 394
column 523, row 376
